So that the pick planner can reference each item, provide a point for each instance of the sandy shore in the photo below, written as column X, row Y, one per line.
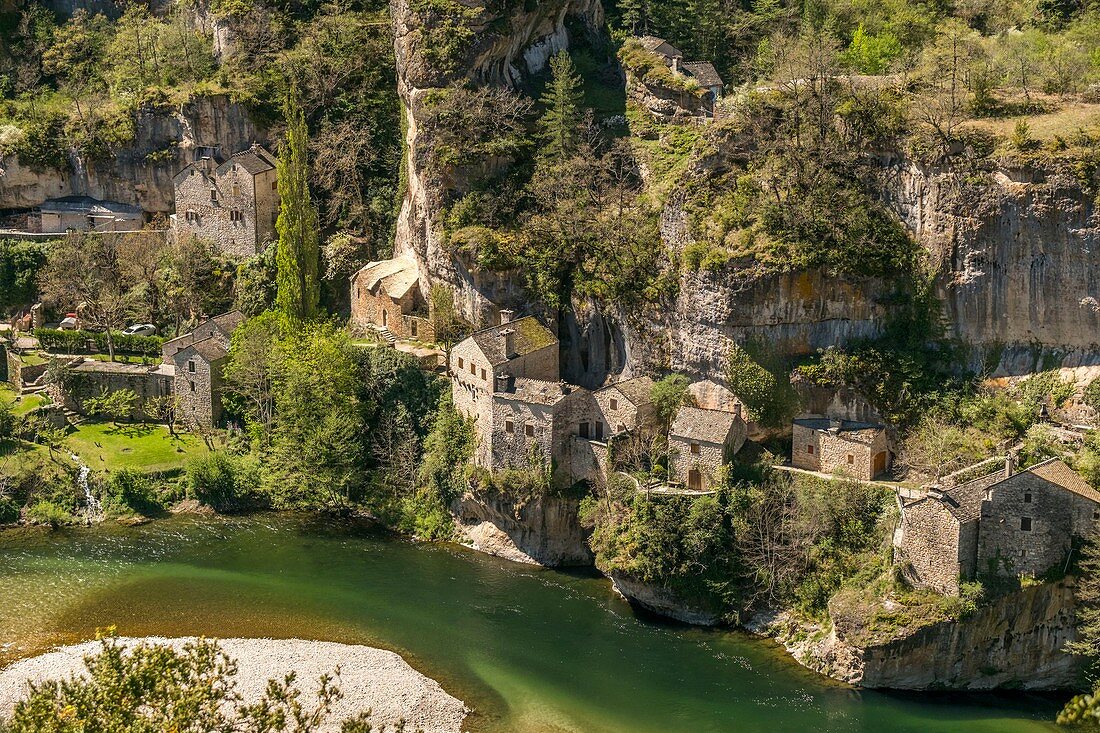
column 370, row 679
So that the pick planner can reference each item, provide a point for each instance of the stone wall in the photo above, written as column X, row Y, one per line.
column 198, row 392
column 836, row 452
column 92, row 379
column 934, row 547
column 707, row 461
column 234, row 190
column 1005, row 548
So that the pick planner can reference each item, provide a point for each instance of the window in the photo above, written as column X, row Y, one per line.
column 236, row 215
column 509, row 427
column 274, row 185
column 191, row 365
column 529, row 430
column 1095, row 514
column 412, row 326
column 236, row 190
column 192, row 386
column 1027, row 497
column 621, row 428
column 460, row 362
column 483, row 373
column 1025, row 524
column 694, row 449
column 583, row 430
column 599, row 430
column 213, row 195
column 851, row 459
column 473, row 369
column 810, row 449
column 614, row 404
column 192, row 215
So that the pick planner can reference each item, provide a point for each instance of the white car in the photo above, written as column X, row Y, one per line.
column 68, row 323
column 140, row 329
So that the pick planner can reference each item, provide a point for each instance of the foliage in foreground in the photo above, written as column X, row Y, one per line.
column 151, row 688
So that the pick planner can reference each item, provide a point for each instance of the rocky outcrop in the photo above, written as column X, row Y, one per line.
column 140, row 173
column 1014, row 642
column 1017, row 249
column 661, row 601
column 544, row 530
column 505, row 50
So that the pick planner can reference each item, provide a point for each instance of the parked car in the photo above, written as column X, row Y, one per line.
column 140, row 329
column 68, row 323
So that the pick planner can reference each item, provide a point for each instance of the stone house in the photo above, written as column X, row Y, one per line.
column 1005, row 524
column 198, row 381
column 84, row 213
column 386, row 297
column 857, row 449
column 702, row 72
column 485, row 361
column 623, row 407
column 234, row 204
column 700, row 441
column 219, row 327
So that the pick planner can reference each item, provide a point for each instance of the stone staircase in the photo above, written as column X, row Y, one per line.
column 385, row 334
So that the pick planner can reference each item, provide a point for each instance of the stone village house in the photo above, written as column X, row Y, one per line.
column 190, row 370
column 507, row 380
column 857, row 449
column 234, row 203
column 386, row 298
column 700, row 441
column 1005, row 524
column 703, row 72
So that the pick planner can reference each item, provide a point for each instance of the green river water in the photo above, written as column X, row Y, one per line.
column 530, row 650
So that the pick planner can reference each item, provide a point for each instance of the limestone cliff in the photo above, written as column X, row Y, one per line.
column 1014, row 642
column 542, row 531
column 505, row 48
column 141, row 173
column 1017, row 251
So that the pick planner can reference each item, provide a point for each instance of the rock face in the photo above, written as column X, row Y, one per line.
column 505, row 50
column 1020, row 277
column 661, row 602
column 543, row 531
column 140, row 173
column 1014, row 642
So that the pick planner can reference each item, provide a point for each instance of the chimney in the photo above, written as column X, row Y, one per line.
column 1010, row 465
column 675, row 64
column 835, row 425
column 506, row 315
column 503, row 383
column 509, row 336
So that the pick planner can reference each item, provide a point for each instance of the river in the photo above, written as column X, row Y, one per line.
column 531, row 650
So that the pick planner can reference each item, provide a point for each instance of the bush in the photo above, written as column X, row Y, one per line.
column 73, row 342
column 9, row 510
column 131, row 492
column 220, row 480
column 46, row 512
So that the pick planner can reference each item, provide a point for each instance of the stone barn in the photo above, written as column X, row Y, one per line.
column 624, row 406
column 856, row 449
column 198, row 382
column 386, row 297
column 233, row 204
column 219, row 327
column 700, row 442
column 1005, row 524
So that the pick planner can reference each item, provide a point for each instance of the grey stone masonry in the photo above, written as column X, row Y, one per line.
column 859, row 450
column 234, row 204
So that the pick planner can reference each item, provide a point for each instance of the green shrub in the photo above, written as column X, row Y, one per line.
column 76, row 341
column 131, row 492
column 220, row 480
column 46, row 512
column 9, row 510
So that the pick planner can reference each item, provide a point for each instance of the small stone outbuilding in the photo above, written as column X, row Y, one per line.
column 386, row 297
column 700, row 442
column 860, row 450
column 624, row 406
column 233, row 204
column 86, row 214
column 198, row 382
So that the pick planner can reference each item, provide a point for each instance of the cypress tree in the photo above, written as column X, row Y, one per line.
column 563, row 108
column 298, row 287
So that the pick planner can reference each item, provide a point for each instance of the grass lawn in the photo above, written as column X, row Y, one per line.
column 21, row 405
column 106, row 446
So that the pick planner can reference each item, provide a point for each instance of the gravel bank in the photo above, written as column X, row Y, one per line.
column 369, row 678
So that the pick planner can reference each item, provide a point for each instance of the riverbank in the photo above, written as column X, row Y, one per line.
column 370, row 679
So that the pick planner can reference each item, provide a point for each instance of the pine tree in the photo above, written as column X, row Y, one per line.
column 299, row 255
column 562, row 118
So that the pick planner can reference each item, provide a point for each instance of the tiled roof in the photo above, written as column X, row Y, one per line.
column 1058, row 473
column 228, row 322
column 965, row 501
column 857, row 430
column 695, row 423
column 530, row 336
column 636, row 390
column 209, row 348
column 536, row 391
column 251, row 160
column 659, row 45
column 703, row 72
column 396, row 276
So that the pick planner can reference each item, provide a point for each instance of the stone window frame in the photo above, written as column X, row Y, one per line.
column 236, row 215
column 851, row 460
column 213, row 195
column 191, row 366
column 809, row 449
column 191, row 215
column 614, row 403
column 1027, row 497
column 695, row 448
column 509, row 427
column 1026, row 524
column 192, row 386
column 473, row 369
column 482, row 371
column 583, row 430
column 460, row 362
column 529, row 430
